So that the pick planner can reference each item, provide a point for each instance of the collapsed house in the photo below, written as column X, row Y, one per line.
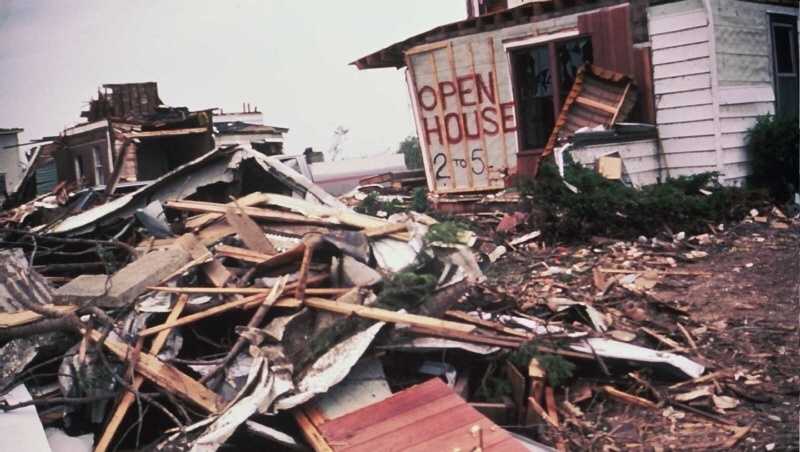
column 493, row 94
column 247, row 128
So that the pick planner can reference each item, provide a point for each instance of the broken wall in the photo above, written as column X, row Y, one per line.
column 90, row 144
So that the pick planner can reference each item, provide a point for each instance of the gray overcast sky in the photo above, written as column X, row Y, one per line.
column 288, row 57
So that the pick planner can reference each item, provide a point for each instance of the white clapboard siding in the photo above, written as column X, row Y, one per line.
column 730, row 95
column 688, row 144
column 677, row 22
column 686, row 129
column 733, row 125
column 684, row 99
column 681, row 68
column 681, row 84
column 690, row 159
column 746, row 110
column 681, row 53
column 736, row 173
column 679, row 38
column 683, row 114
column 691, row 170
column 735, row 155
column 640, row 159
column 733, row 140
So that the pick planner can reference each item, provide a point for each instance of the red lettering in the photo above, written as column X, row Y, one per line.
column 508, row 119
column 437, row 130
column 421, row 100
column 463, row 91
column 487, row 89
column 477, row 133
column 450, row 138
column 490, row 120
column 444, row 94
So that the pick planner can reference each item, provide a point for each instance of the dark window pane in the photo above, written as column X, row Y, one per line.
column 783, row 49
column 570, row 56
column 533, row 83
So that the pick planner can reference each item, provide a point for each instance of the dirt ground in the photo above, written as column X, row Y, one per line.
column 740, row 316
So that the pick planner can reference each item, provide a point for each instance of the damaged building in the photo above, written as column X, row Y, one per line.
column 495, row 93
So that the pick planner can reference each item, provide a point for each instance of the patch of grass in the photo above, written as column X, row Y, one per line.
column 609, row 208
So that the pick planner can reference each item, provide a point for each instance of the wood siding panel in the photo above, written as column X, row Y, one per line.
column 677, row 22
column 686, row 129
column 746, row 94
column 683, row 114
column 682, row 53
column 684, row 99
column 745, row 110
column 680, row 38
column 681, row 68
column 691, row 144
column 680, row 84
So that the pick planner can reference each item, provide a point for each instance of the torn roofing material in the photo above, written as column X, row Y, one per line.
column 599, row 97
column 218, row 165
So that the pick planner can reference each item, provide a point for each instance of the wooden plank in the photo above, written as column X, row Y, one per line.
column 12, row 319
column 505, row 342
column 242, row 254
column 596, row 105
column 248, row 200
column 497, row 326
column 461, row 121
column 128, row 398
column 216, row 310
column 389, row 228
column 488, row 439
column 164, row 375
column 167, row 133
column 386, row 315
column 246, row 290
column 423, row 409
column 497, row 102
column 441, row 113
column 462, row 416
column 746, row 110
column 629, row 398
column 310, row 432
column 398, row 404
column 254, row 212
column 248, row 231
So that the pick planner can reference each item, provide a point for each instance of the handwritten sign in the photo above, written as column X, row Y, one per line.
column 465, row 120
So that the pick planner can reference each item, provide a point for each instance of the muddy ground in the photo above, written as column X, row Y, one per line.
column 739, row 308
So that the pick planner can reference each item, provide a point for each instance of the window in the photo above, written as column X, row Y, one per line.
column 99, row 172
column 539, row 91
column 784, row 56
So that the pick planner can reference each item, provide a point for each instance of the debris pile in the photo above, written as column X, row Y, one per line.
column 233, row 302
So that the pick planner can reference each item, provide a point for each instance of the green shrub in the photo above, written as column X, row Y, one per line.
column 772, row 144
column 371, row 205
column 407, row 290
column 444, row 232
column 419, row 200
column 412, row 153
column 610, row 208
